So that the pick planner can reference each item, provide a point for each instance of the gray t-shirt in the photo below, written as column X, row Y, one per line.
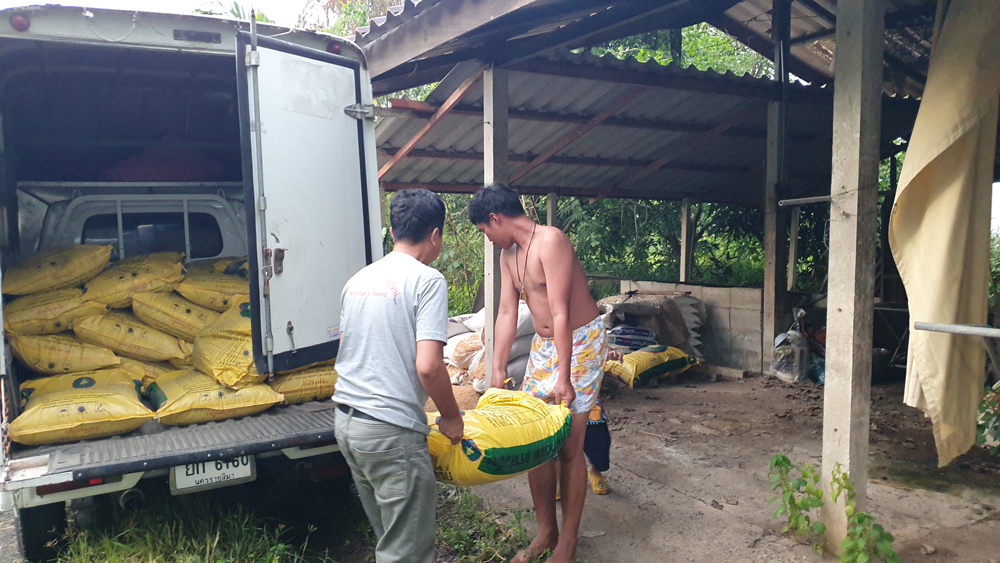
column 385, row 309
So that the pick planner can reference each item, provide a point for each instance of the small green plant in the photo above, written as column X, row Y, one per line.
column 988, row 427
column 796, row 495
column 866, row 541
column 475, row 533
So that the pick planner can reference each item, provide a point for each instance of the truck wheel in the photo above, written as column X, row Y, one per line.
column 38, row 528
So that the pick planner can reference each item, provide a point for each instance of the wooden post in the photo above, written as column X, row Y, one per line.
column 775, row 245
column 776, row 319
column 853, row 220
column 551, row 209
column 685, row 239
column 495, row 170
column 793, row 249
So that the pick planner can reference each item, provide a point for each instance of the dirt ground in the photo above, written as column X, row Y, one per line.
column 689, row 479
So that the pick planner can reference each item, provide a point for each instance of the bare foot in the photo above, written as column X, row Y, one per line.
column 560, row 555
column 537, row 547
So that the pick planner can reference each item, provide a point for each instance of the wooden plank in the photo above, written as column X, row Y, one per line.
column 447, row 106
column 686, row 232
column 551, row 209
column 775, row 244
column 569, row 160
column 567, row 139
column 853, row 226
column 496, row 170
column 684, row 146
column 793, row 249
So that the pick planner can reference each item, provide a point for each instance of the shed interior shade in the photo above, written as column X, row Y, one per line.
column 635, row 130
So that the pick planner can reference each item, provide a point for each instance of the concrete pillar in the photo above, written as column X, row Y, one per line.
column 495, row 170
column 853, row 225
column 551, row 209
column 793, row 249
column 776, row 318
column 686, row 234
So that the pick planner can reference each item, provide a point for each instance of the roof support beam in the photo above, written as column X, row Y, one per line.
column 566, row 140
column 442, row 111
column 423, row 110
column 677, row 150
column 766, row 48
column 568, row 161
column 749, row 199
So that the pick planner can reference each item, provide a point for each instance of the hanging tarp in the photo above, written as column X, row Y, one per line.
column 940, row 226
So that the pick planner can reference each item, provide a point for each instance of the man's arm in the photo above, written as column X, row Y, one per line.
column 434, row 378
column 505, row 329
column 557, row 262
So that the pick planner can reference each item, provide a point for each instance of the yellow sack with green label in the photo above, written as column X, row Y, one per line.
column 145, row 372
column 225, row 349
column 60, row 353
column 191, row 397
column 508, row 433
column 137, row 274
column 172, row 314
column 307, row 385
column 130, row 337
column 218, row 292
column 652, row 362
column 50, row 312
column 56, row 269
column 79, row 406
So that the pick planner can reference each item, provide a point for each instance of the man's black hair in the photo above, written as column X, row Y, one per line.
column 495, row 198
column 414, row 214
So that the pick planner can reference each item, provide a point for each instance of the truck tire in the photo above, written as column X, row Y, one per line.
column 38, row 528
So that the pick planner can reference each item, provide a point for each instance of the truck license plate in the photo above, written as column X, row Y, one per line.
column 204, row 475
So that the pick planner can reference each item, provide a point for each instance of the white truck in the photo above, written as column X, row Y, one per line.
column 285, row 116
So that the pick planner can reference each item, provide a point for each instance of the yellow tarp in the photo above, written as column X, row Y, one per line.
column 940, row 226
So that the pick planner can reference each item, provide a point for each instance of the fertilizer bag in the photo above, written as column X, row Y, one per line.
column 225, row 349
column 50, row 312
column 56, row 269
column 307, row 385
column 130, row 337
column 137, row 274
column 60, row 353
column 172, row 314
column 191, row 397
column 78, row 406
column 145, row 372
column 218, row 292
column 653, row 362
column 508, row 433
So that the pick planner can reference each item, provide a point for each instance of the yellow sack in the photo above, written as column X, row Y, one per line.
column 172, row 314
column 50, row 312
column 215, row 266
column 79, row 406
column 191, row 397
column 508, row 433
column 136, row 274
column 56, row 269
column 215, row 291
column 185, row 362
column 307, row 385
column 145, row 372
column 128, row 336
column 59, row 353
column 225, row 350
column 652, row 362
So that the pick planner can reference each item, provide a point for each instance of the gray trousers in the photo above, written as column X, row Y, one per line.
column 395, row 479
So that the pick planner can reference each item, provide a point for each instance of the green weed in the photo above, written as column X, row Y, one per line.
column 866, row 541
column 474, row 532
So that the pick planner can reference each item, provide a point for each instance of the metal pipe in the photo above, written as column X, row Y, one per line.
column 187, row 234
column 804, row 200
column 121, row 232
column 969, row 330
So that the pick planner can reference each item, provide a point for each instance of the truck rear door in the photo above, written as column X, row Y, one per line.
column 311, row 198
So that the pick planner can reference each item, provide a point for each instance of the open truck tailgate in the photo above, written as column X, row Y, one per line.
column 306, row 425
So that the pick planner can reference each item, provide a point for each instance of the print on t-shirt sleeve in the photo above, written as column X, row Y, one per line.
column 432, row 310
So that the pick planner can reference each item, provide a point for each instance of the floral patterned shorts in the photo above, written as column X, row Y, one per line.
column 590, row 349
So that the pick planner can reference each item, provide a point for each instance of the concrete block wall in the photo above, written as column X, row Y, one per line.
column 731, row 335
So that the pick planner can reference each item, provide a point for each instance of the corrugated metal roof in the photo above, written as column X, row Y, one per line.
column 727, row 167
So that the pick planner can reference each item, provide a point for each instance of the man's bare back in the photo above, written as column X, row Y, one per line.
column 525, row 264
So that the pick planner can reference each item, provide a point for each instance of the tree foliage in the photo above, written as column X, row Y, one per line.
column 235, row 9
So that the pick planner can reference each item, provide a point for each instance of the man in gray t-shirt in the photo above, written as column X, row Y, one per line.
column 394, row 316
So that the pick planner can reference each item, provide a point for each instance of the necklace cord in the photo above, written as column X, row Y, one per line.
column 517, row 263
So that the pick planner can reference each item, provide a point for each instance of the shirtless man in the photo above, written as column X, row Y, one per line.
column 539, row 263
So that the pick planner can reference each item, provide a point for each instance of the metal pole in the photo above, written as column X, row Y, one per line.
column 804, row 201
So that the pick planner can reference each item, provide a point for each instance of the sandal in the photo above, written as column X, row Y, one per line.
column 597, row 484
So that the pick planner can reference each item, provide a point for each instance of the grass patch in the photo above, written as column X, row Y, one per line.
column 470, row 531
